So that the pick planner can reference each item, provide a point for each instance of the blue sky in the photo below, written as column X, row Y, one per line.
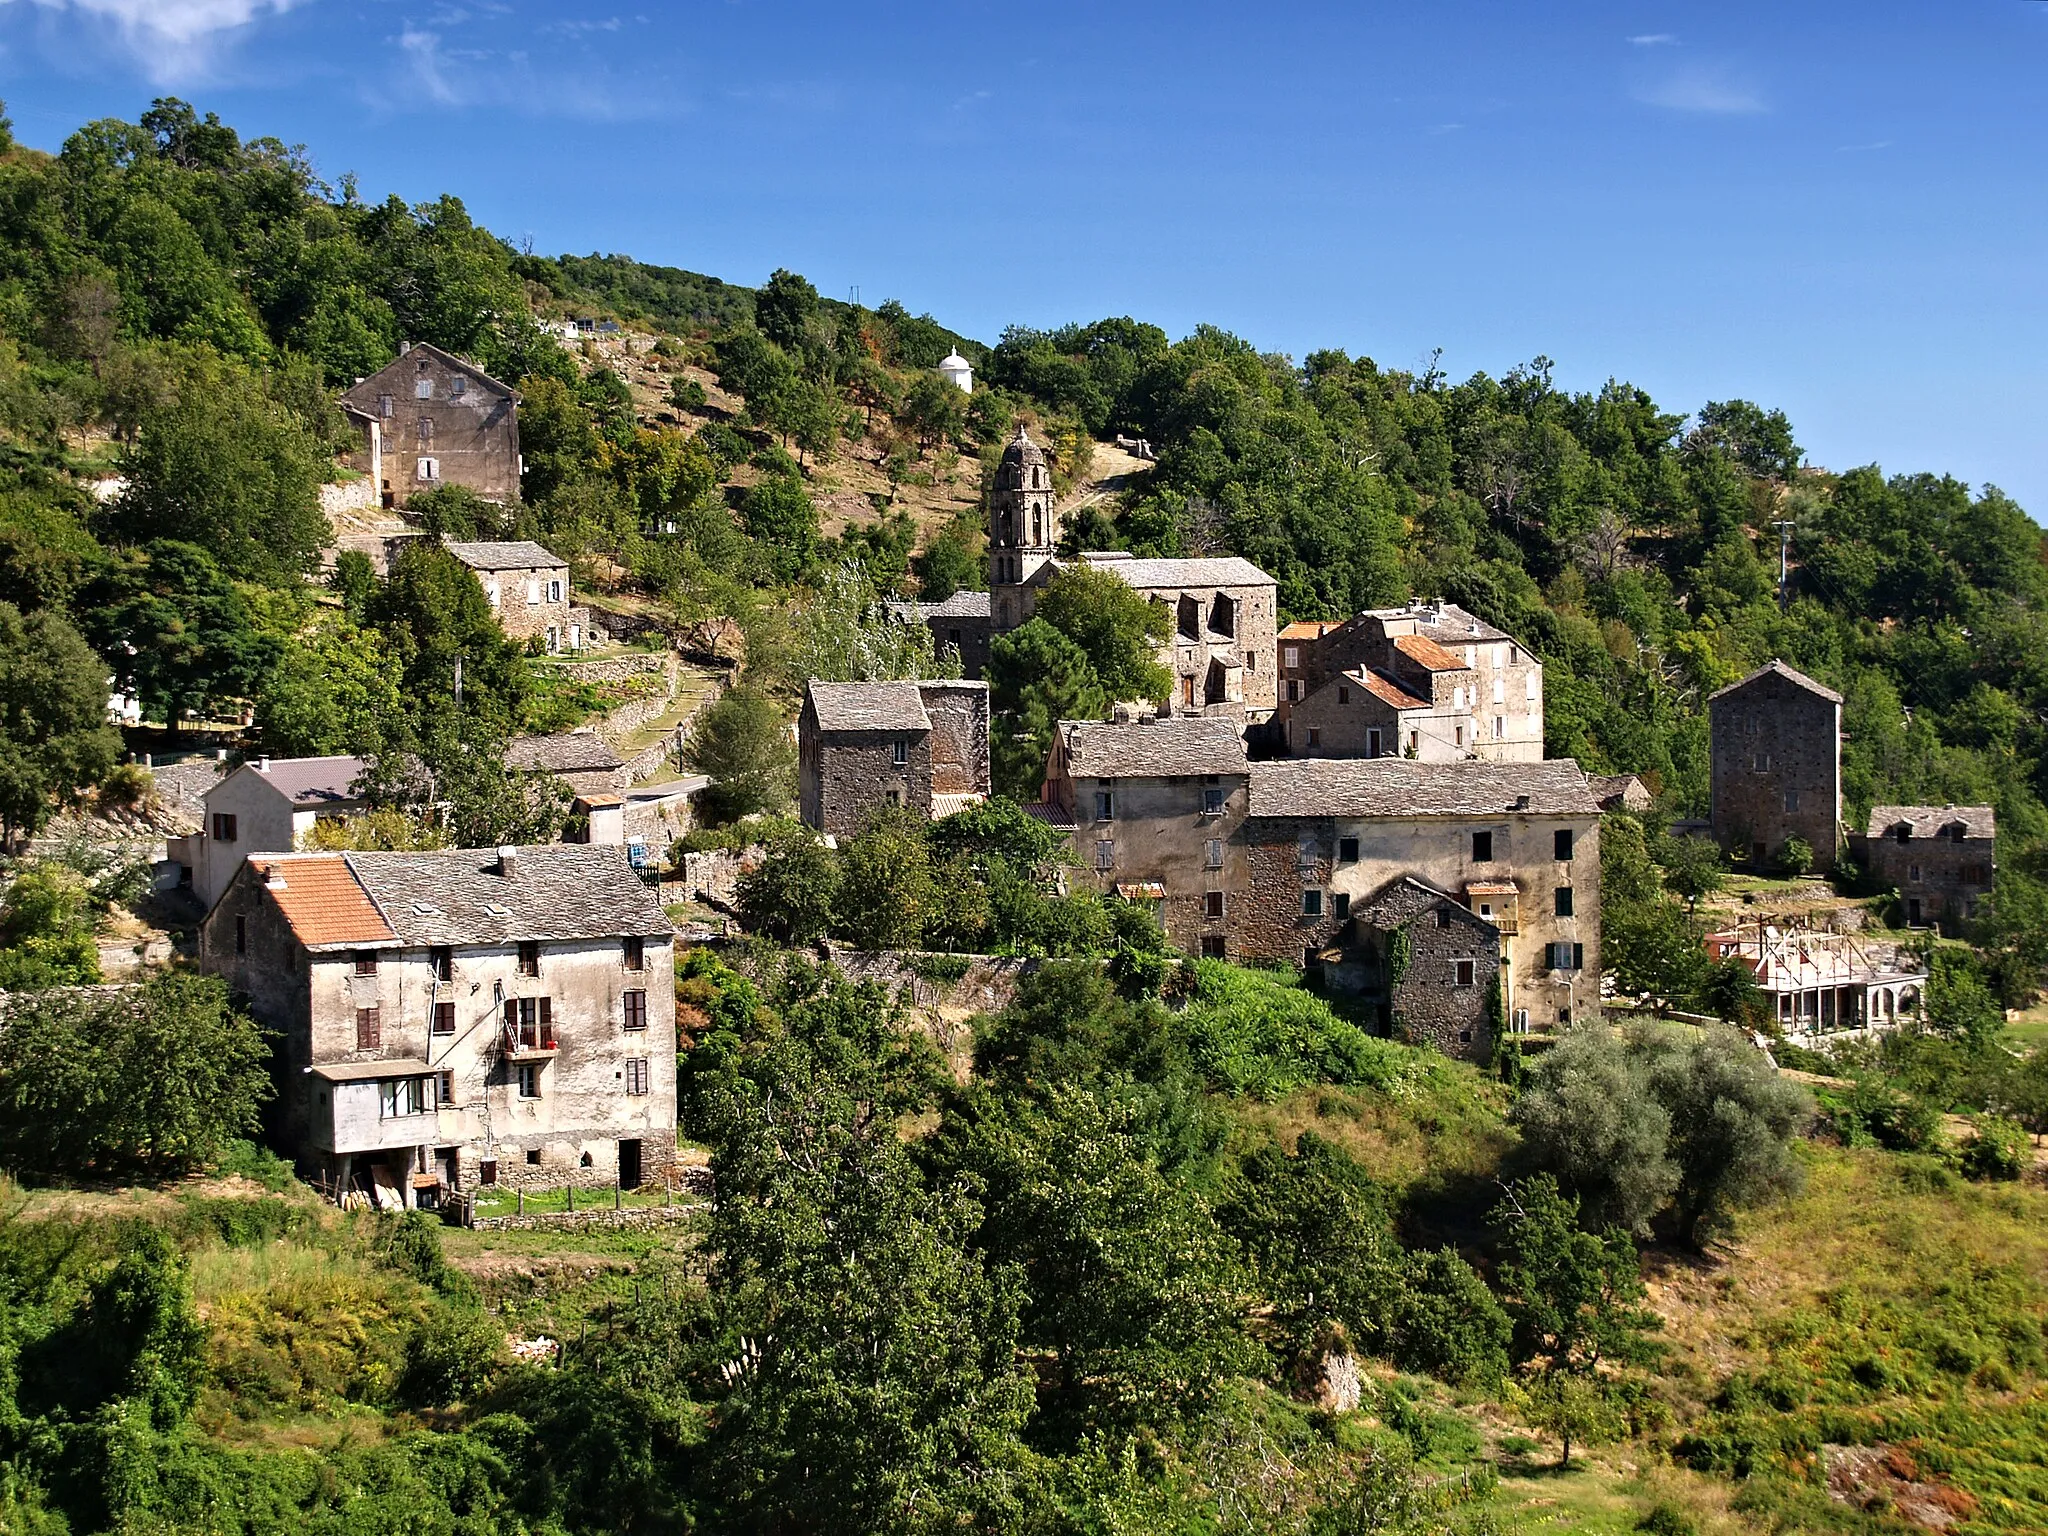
column 1836, row 209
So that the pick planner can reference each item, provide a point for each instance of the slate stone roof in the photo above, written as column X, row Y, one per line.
column 868, row 706
column 1162, row 748
column 571, row 752
column 511, row 555
column 1208, row 571
column 1396, row 786
column 961, row 605
column 1386, row 689
column 1619, row 790
column 1790, row 675
column 1425, row 652
column 310, row 782
column 1928, row 820
column 561, row 891
column 322, row 900
column 1445, row 623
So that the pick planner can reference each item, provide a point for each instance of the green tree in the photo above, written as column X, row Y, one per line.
column 1588, row 1116
column 1037, row 678
column 935, row 409
column 1574, row 1297
column 886, row 891
column 1733, row 1120
column 778, row 516
column 947, row 565
column 433, row 616
column 225, row 469
column 790, row 894
column 54, row 736
column 1117, row 630
column 456, row 512
column 46, row 937
column 784, row 309
column 336, row 690
column 153, row 1082
column 1692, row 868
column 743, row 743
column 184, row 639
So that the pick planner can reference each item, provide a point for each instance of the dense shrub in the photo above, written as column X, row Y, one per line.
column 1253, row 1033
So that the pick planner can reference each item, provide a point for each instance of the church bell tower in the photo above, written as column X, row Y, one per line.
column 1023, row 530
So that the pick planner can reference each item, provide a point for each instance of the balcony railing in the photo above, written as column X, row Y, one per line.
column 529, row 1039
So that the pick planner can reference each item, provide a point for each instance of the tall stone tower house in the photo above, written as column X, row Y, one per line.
column 1023, row 529
column 1777, row 765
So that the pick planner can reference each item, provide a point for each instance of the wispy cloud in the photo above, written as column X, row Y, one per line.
column 1655, row 40
column 441, row 72
column 962, row 103
column 1708, row 88
column 1441, row 128
column 170, row 39
column 1859, row 149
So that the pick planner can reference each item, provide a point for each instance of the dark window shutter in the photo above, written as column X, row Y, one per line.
column 546, row 1012
column 369, row 1030
column 1578, row 957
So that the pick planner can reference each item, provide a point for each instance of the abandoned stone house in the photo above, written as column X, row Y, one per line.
column 428, row 418
column 1428, row 959
column 1942, row 859
column 861, row 746
column 1221, row 611
column 458, row 1017
column 1429, row 682
column 1620, row 791
column 264, row 806
column 1153, row 806
column 1775, row 739
column 527, row 588
column 1819, row 984
column 1297, row 664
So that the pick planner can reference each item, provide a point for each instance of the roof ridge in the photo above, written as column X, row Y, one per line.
column 348, row 860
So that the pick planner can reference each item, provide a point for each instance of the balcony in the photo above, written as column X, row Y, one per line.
column 529, row 1042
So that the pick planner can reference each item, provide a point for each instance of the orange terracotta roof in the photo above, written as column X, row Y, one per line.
column 1426, row 652
column 1386, row 690
column 1307, row 629
column 323, row 901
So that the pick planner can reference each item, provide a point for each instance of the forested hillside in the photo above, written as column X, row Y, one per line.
column 1155, row 1246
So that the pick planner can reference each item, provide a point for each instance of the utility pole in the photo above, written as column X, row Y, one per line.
column 1784, row 527
column 458, row 683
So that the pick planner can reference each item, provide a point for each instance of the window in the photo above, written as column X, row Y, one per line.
column 386, row 406
column 636, row 1009
column 529, row 957
column 1251, row 661
column 1414, row 742
column 366, row 962
column 458, row 386
column 1443, row 917
column 1311, row 903
column 1189, row 619
column 223, row 828
column 1105, row 805
column 1561, row 844
column 426, row 429
column 1223, row 615
column 1212, row 802
column 1500, row 690
column 1187, row 690
column 1459, row 735
column 1293, row 691
column 1913, row 873
column 1212, row 904
column 1464, row 973
column 491, row 592
column 636, row 1076
column 241, row 934
column 533, row 591
column 424, row 389
column 1457, row 698
column 1791, row 801
column 369, row 1030
column 1105, row 854
column 1529, row 688
column 1372, row 743
column 402, row 1096
column 635, row 950
column 554, row 591
column 444, row 1018
column 1760, row 762
column 529, row 1088
column 1565, row 957
column 1315, row 736
column 1500, row 727
column 1347, row 850
column 1343, row 694
column 1564, row 901
column 1482, row 847
column 1290, row 656
column 1343, row 905
column 533, row 1153
column 1212, row 853
column 894, row 796
column 427, row 469
column 899, row 753
column 1213, row 947
column 441, row 963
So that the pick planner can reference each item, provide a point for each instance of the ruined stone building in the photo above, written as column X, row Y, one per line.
column 861, row 746
column 458, row 1017
column 1820, row 985
column 1776, row 744
column 1942, row 859
column 265, row 806
column 526, row 586
column 1154, row 806
column 428, row 418
column 1429, row 682
column 1221, row 611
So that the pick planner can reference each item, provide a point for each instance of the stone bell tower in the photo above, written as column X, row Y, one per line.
column 1023, row 531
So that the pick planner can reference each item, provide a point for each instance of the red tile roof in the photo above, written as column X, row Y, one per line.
column 323, row 901
column 1308, row 629
column 1385, row 689
column 1425, row 652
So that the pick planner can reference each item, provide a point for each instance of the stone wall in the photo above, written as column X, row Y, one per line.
column 959, row 740
column 987, row 985
column 1160, row 835
column 1777, row 769
column 713, row 877
column 1945, row 878
column 617, row 669
column 472, row 436
column 856, row 771
column 1428, row 1005
column 358, row 495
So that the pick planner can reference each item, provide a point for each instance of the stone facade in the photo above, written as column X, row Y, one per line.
column 1942, row 859
column 458, row 1017
column 960, row 625
column 1430, row 963
column 1776, row 743
column 526, row 586
column 1429, row 681
column 861, row 746
column 428, row 418
column 1023, row 529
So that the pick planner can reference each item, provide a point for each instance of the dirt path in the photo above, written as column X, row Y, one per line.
column 1111, row 472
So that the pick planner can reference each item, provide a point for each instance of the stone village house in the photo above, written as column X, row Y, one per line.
column 1776, row 743
column 458, row 1017
column 1942, row 859
column 265, row 806
column 527, row 588
column 923, row 745
column 428, row 418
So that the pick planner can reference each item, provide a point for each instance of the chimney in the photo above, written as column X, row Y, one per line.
column 273, row 877
column 263, row 765
column 404, row 347
column 508, row 861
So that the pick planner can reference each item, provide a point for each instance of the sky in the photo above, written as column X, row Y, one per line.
column 1832, row 209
